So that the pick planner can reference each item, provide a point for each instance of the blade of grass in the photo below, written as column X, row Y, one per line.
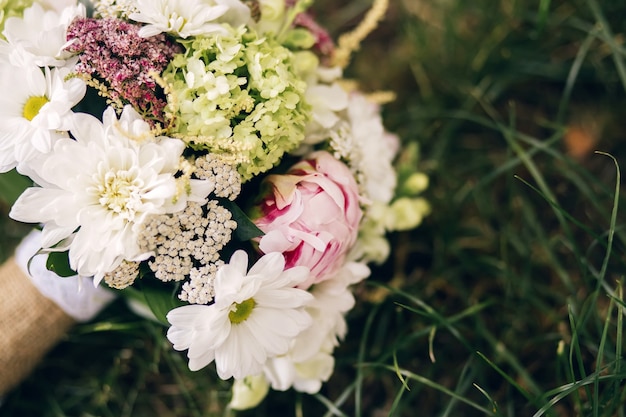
column 425, row 381
column 621, row 310
column 508, row 378
column 510, row 164
column 192, row 405
column 605, row 263
column 609, row 38
column 396, row 401
column 494, row 405
column 361, row 358
column 576, row 353
column 620, row 325
column 573, row 74
column 567, row 389
column 599, row 360
column 347, row 392
column 333, row 410
column 542, row 14
column 515, row 364
column 399, row 373
column 464, row 382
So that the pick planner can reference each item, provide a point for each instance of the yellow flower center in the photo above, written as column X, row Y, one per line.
column 33, row 105
column 241, row 311
column 119, row 192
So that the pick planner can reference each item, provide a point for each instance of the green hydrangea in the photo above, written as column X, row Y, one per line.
column 11, row 8
column 239, row 95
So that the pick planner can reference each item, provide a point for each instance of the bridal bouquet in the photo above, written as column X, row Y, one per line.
column 207, row 158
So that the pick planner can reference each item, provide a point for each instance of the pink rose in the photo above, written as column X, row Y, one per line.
column 311, row 215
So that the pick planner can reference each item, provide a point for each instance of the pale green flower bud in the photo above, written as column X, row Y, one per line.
column 248, row 392
column 299, row 38
column 272, row 16
column 371, row 246
column 272, row 9
column 305, row 63
column 416, row 183
column 407, row 213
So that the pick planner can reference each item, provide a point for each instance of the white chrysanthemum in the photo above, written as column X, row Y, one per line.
column 58, row 5
column 186, row 18
column 326, row 101
column 310, row 360
column 40, row 36
column 256, row 316
column 35, row 109
column 372, row 244
column 354, row 128
column 377, row 149
column 98, row 189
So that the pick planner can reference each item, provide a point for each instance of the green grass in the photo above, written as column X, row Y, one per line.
column 508, row 300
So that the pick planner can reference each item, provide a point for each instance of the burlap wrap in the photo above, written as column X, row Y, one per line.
column 30, row 325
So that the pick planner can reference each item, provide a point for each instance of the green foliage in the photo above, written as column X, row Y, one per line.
column 59, row 263
column 509, row 298
column 245, row 230
column 12, row 185
column 158, row 301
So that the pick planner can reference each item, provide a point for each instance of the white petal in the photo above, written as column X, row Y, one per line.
column 270, row 265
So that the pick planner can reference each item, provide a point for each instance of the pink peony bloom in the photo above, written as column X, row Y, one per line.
column 311, row 215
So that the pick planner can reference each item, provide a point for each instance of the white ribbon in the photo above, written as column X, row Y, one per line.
column 75, row 295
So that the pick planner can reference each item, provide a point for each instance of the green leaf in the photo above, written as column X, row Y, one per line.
column 59, row 263
column 160, row 301
column 246, row 230
column 12, row 185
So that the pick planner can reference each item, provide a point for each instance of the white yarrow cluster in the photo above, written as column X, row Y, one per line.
column 225, row 176
column 187, row 244
column 122, row 276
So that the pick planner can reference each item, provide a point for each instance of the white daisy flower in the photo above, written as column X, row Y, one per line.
column 186, row 18
column 35, row 110
column 310, row 360
column 40, row 36
column 98, row 189
column 256, row 316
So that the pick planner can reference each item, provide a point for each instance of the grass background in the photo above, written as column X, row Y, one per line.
column 507, row 300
